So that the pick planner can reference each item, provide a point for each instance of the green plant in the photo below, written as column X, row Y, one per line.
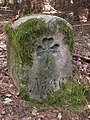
column 70, row 96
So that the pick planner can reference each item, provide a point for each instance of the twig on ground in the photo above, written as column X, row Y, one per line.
column 86, row 59
column 79, row 25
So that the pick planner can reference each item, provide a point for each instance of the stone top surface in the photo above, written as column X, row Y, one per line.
column 47, row 18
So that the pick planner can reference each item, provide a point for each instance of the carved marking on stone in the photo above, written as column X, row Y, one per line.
column 46, row 79
column 35, row 88
column 47, row 48
column 62, row 81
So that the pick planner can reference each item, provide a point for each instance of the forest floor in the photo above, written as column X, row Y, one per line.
column 12, row 107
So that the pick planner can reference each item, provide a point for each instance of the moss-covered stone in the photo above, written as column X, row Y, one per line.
column 22, row 42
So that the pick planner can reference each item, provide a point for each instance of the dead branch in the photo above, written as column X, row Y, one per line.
column 79, row 25
column 86, row 59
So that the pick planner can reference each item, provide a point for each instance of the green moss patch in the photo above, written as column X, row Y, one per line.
column 71, row 96
column 68, row 33
column 24, row 37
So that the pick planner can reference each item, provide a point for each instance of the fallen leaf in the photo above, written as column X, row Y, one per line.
column 59, row 116
column 34, row 112
column 88, row 107
column 26, row 118
column 41, row 116
column 3, row 112
column 14, row 92
column 7, row 100
column 8, row 95
column 3, row 119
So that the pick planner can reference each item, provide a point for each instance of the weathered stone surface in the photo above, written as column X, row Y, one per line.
column 51, row 57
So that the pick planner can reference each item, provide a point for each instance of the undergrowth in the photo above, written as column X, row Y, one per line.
column 71, row 96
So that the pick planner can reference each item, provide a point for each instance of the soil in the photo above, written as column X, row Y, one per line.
column 12, row 107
